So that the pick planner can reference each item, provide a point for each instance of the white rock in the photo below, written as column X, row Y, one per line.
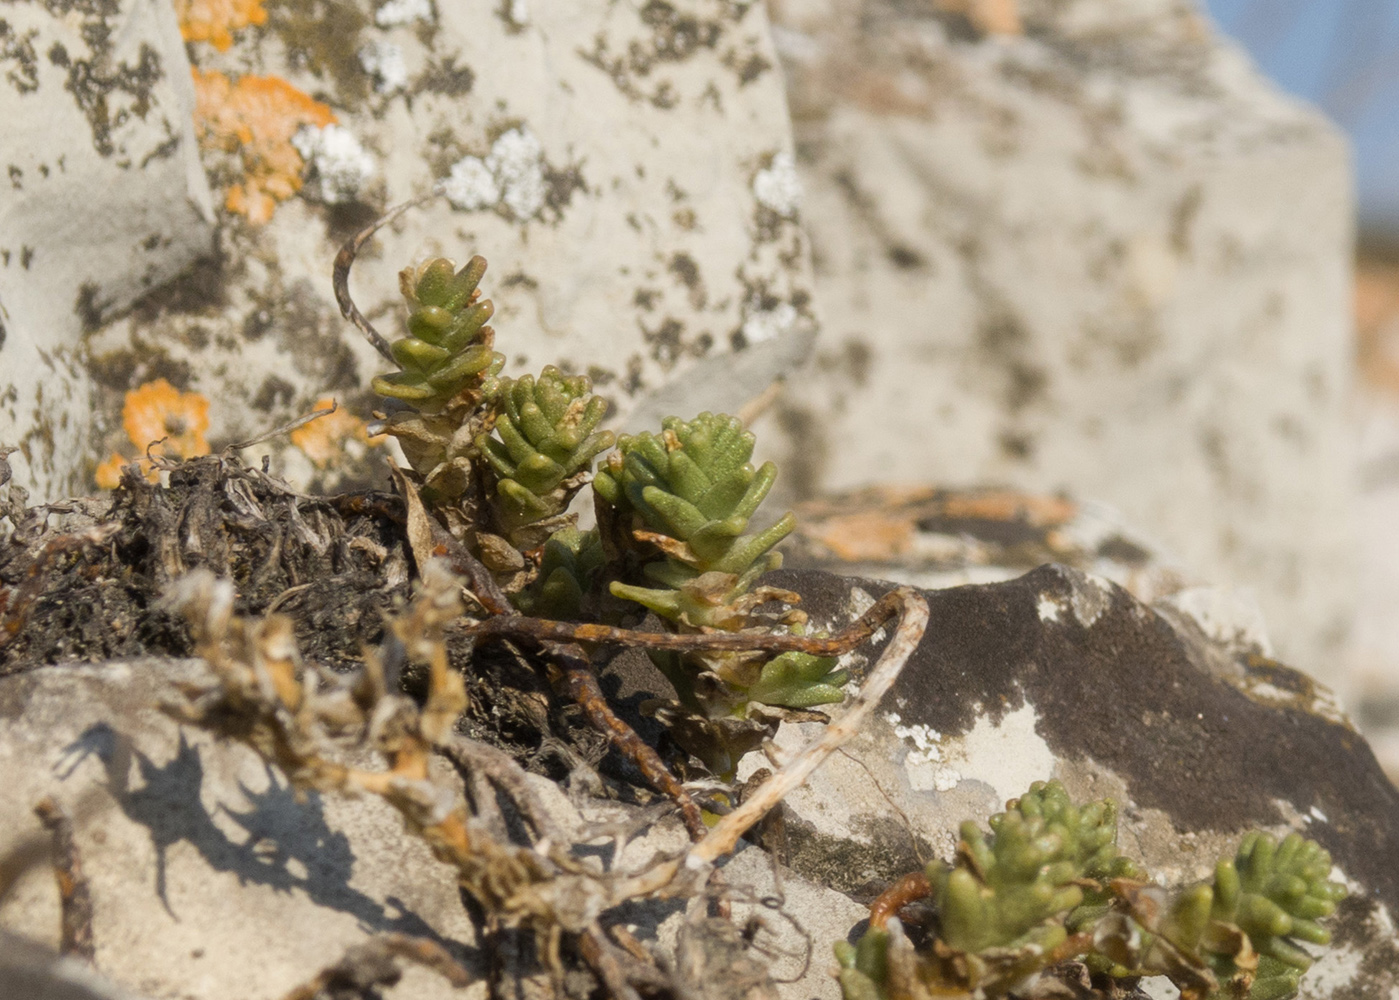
column 103, row 199
column 205, row 871
column 1056, row 262
column 603, row 164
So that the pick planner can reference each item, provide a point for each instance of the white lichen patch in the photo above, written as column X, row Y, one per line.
column 510, row 175
column 1228, row 615
column 1007, row 756
column 769, row 324
column 383, row 61
column 778, row 187
column 926, row 740
column 471, row 185
column 397, row 12
column 1090, row 597
column 1049, row 608
column 340, row 165
column 859, row 601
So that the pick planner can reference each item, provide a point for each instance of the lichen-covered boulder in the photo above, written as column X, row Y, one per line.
column 626, row 170
column 103, row 199
column 1061, row 675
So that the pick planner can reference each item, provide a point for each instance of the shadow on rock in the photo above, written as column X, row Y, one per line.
column 280, row 830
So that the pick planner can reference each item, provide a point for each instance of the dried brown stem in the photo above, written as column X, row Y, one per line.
column 501, row 770
column 286, row 428
column 580, row 683
column 345, row 259
column 75, row 898
column 516, row 626
column 603, row 959
column 909, row 889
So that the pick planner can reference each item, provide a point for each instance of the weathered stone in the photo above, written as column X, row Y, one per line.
column 103, row 199
column 626, row 170
column 1057, row 261
column 1061, row 675
column 208, row 878
column 31, row 971
column 933, row 538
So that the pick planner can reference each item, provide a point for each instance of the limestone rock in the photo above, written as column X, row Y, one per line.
column 626, row 170
column 208, row 879
column 1061, row 675
column 1058, row 261
column 31, row 971
column 103, row 199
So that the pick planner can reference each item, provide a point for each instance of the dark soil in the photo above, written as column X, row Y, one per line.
column 84, row 580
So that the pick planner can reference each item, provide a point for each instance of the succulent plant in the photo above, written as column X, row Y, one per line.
column 544, row 444
column 1275, row 894
column 571, row 558
column 679, row 504
column 798, row 680
column 690, row 492
column 1050, row 869
column 1013, row 885
column 449, row 349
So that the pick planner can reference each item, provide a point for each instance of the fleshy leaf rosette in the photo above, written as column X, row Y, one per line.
column 798, row 680
column 1274, row 893
column 542, row 450
column 690, row 492
column 1049, row 885
column 449, row 347
column 1016, row 887
column 571, row 558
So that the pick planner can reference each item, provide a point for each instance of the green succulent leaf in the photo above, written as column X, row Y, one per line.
column 571, row 558
column 694, row 483
column 544, row 438
column 799, row 680
column 449, row 349
column 1047, row 869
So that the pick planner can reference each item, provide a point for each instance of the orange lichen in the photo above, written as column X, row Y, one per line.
column 323, row 439
column 214, row 21
column 256, row 118
column 161, row 420
column 108, row 474
column 991, row 17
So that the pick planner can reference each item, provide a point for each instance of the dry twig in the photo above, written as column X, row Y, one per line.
column 75, row 898
column 913, row 622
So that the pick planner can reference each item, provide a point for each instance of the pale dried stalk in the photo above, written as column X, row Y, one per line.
column 913, row 622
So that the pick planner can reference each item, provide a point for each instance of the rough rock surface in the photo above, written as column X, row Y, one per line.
column 206, row 871
column 208, row 879
column 1062, row 675
column 626, row 169
column 102, row 198
column 211, row 882
column 1057, row 260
